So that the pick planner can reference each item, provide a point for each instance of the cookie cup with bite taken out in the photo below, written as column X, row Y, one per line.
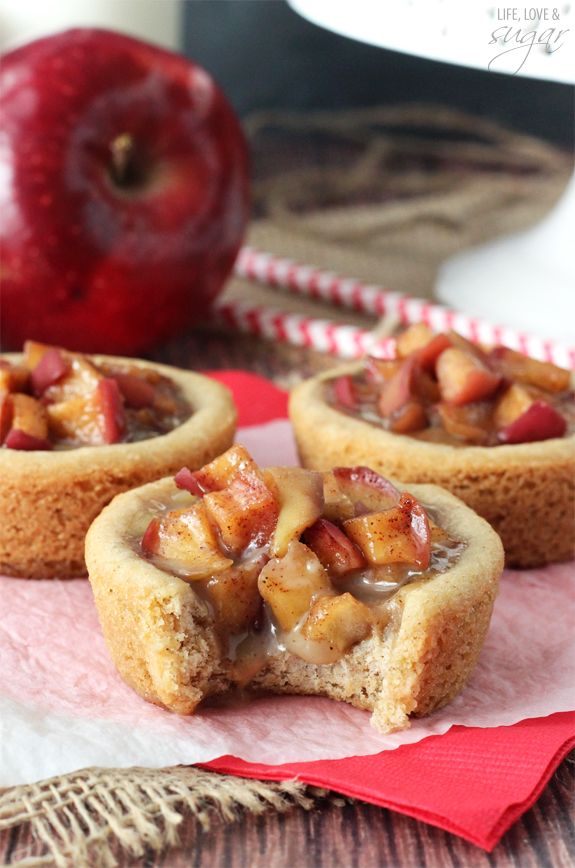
column 63, row 457
column 290, row 581
column 525, row 490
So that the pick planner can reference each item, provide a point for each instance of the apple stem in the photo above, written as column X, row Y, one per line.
column 122, row 149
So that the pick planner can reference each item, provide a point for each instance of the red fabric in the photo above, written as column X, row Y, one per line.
column 472, row 782
column 257, row 399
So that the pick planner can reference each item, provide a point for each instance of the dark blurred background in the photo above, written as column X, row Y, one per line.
column 267, row 57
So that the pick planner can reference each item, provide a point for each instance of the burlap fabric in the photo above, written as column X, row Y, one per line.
column 383, row 195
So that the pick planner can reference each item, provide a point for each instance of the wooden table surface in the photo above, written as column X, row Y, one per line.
column 337, row 833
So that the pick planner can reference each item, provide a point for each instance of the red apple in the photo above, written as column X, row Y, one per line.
column 123, row 192
column 540, row 421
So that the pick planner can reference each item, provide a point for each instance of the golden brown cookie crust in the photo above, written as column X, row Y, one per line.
column 526, row 491
column 49, row 499
column 162, row 639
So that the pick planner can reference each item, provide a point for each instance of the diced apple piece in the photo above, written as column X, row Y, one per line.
column 30, row 416
column 459, row 342
column 13, row 378
column 381, row 370
column 80, row 381
column 300, row 494
column 17, row 439
column 413, row 338
column 366, row 489
column 468, row 422
column 543, row 375
column 245, row 512
column 33, row 353
column 335, row 550
column 410, row 417
column 136, row 391
column 337, row 505
column 344, row 392
column 111, row 403
column 51, row 368
column 427, row 356
column 91, row 420
column 186, row 537
column 338, row 622
column 5, row 415
column 464, row 378
column 398, row 535
column 186, row 480
column 219, row 472
column 512, row 404
column 235, row 598
column 76, row 420
column 290, row 584
column 397, row 391
column 540, row 421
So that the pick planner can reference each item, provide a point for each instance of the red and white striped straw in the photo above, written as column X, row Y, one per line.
column 350, row 342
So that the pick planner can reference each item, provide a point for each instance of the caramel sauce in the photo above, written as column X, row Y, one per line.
column 248, row 650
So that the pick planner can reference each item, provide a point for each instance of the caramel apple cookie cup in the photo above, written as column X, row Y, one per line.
column 526, row 491
column 48, row 499
column 163, row 635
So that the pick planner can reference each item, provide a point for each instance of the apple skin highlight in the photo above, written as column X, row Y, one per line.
column 123, row 192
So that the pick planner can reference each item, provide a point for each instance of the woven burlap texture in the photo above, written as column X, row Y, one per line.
column 91, row 817
column 387, row 194
column 383, row 195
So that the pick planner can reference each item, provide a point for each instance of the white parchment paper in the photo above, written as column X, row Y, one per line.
column 63, row 707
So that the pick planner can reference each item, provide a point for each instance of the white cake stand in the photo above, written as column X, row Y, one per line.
column 526, row 281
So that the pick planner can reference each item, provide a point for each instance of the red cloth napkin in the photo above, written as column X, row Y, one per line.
column 473, row 782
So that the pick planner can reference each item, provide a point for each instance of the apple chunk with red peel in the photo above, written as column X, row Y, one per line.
column 51, row 368
column 540, row 421
column 94, row 419
column 398, row 535
column 29, row 416
column 344, row 392
column 464, row 378
column 20, row 440
column 290, row 584
column 365, row 488
column 513, row 403
column 300, row 494
column 335, row 550
column 186, row 480
column 219, row 473
column 244, row 512
column 397, row 391
column 338, row 623
column 186, row 538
